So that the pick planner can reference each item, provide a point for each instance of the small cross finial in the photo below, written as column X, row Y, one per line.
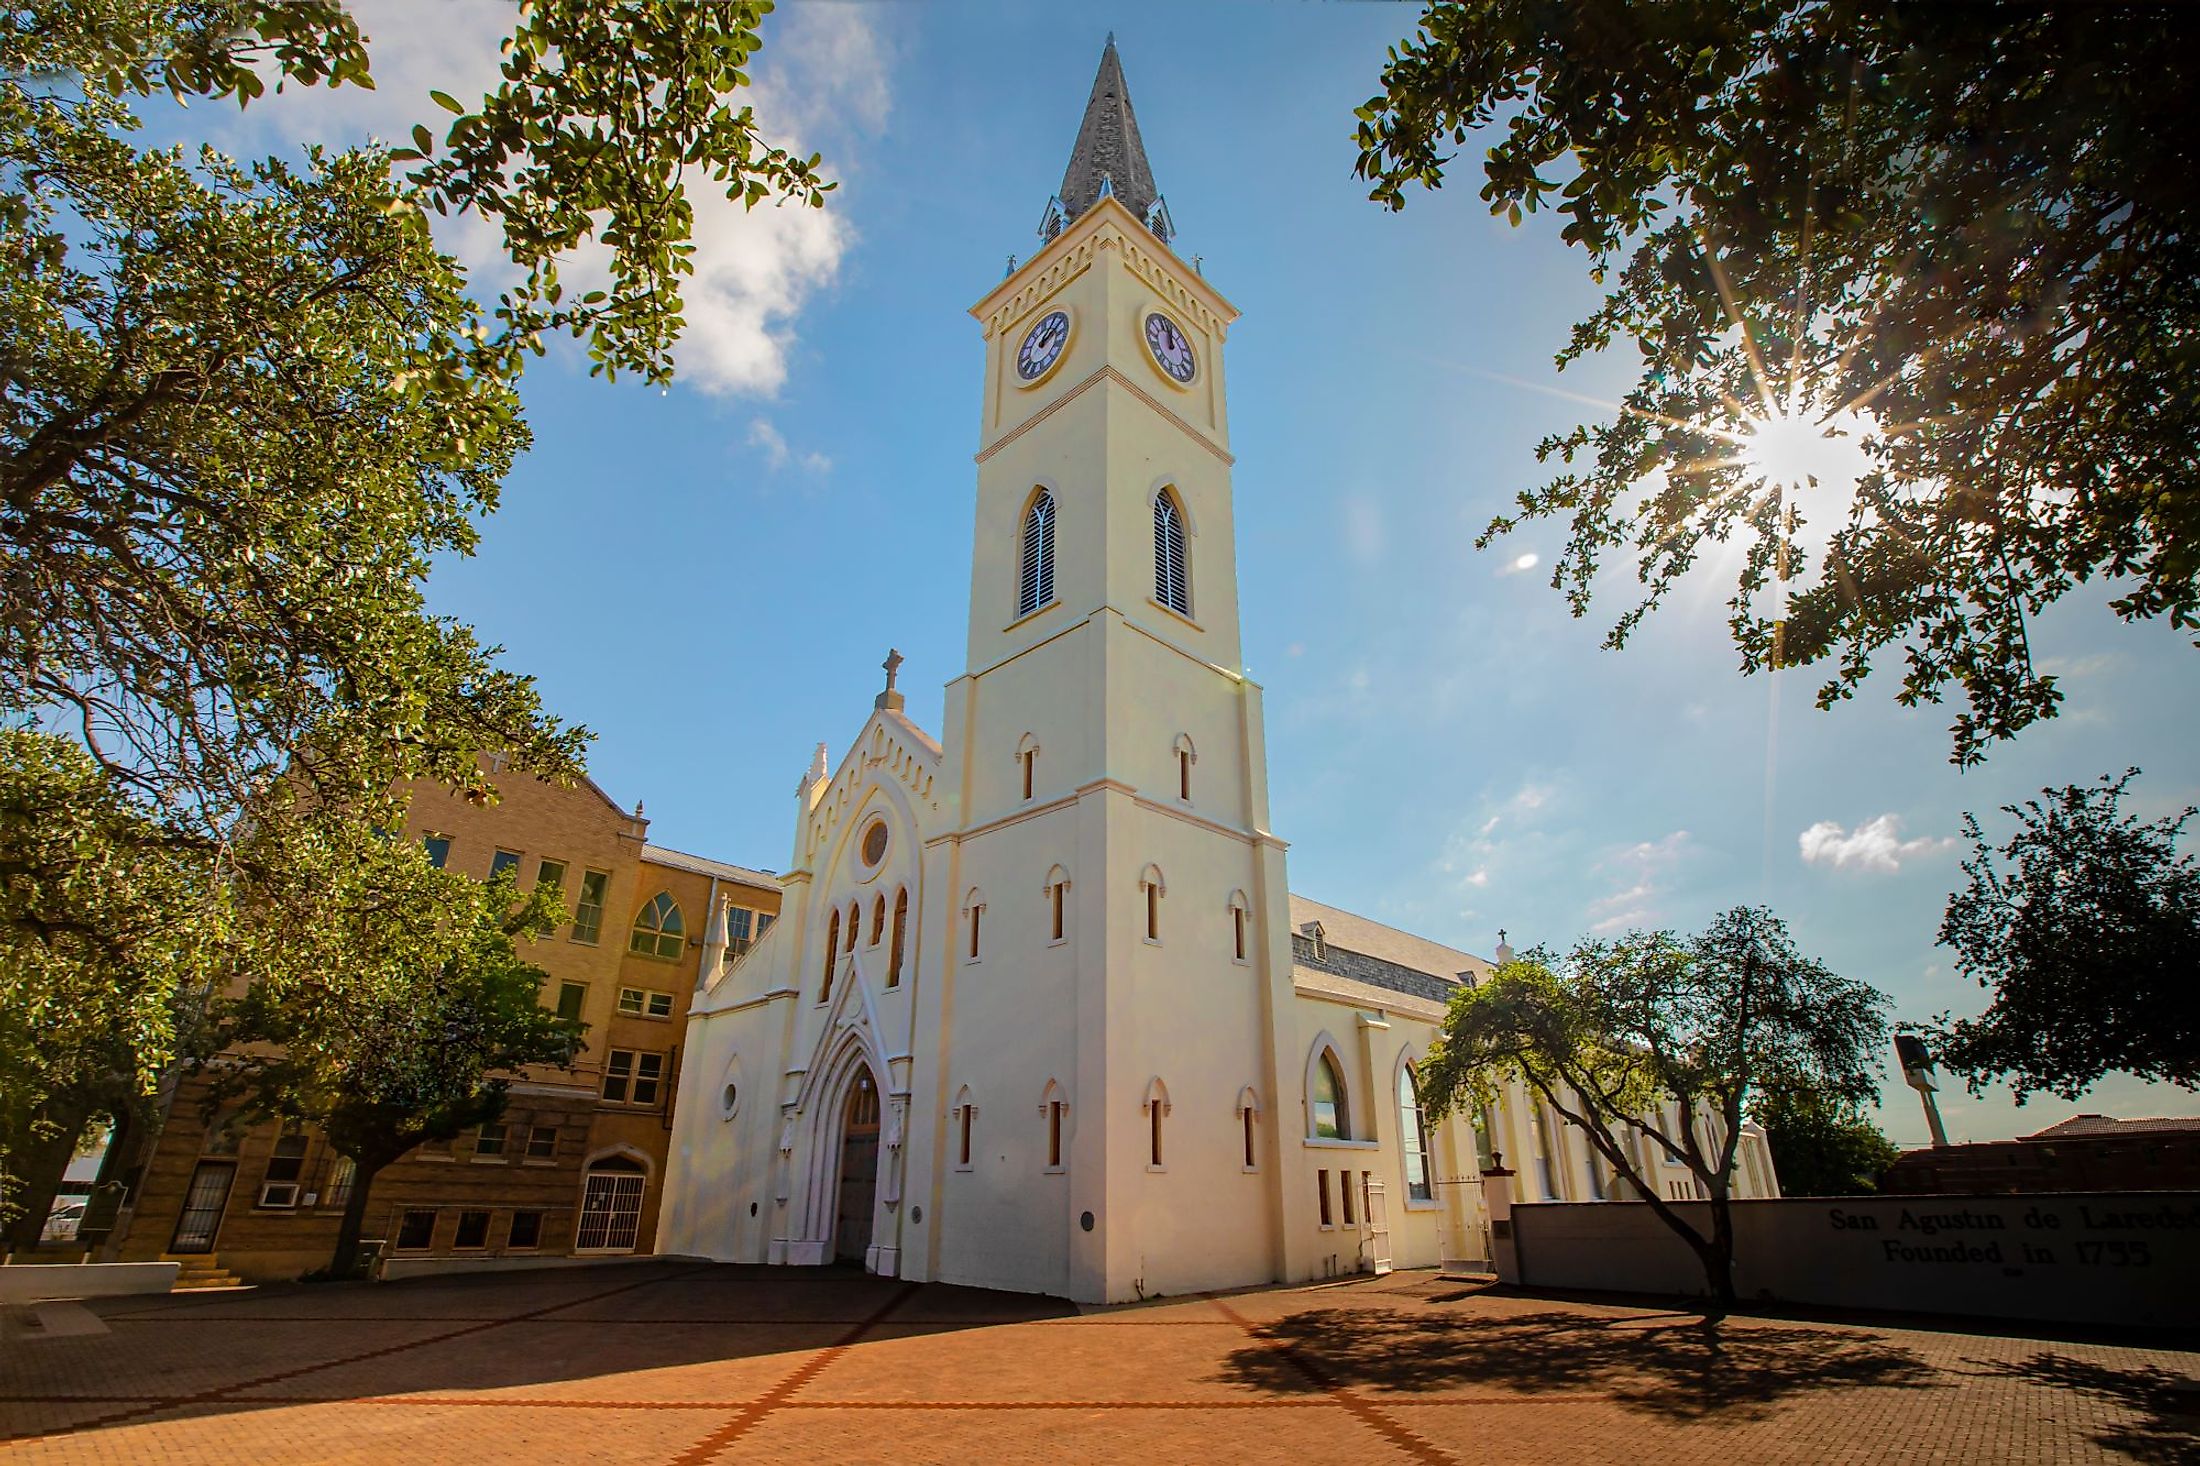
column 1500, row 936
column 890, row 699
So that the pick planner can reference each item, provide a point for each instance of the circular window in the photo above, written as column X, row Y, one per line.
column 874, row 843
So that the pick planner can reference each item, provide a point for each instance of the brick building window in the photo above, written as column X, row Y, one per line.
column 632, row 1076
column 526, row 1231
column 643, row 1003
column 551, row 873
column 542, row 1142
column 502, row 861
column 438, row 848
column 588, row 910
column 473, row 1230
column 659, row 929
column 416, row 1230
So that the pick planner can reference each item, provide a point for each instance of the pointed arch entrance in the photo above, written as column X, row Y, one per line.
column 856, row 1199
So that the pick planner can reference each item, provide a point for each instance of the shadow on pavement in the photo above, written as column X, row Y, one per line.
column 726, row 1331
column 1682, row 1367
column 2167, row 1404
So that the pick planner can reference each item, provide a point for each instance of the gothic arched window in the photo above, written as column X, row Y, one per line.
column 832, row 954
column 659, row 930
column 1332, row 1115
column 901, row 931
column 1413, row 1132
column 1171, row 583
column 1035, row 585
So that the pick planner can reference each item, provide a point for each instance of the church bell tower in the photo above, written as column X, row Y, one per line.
column 1115, row 905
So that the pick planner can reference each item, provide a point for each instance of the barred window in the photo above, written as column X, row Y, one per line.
column 1035, row 584
column 1171, row 585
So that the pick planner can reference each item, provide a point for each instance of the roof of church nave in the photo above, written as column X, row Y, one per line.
column 1383, row 956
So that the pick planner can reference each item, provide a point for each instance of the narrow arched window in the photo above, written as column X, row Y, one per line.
column 901, row 931
column 878, row 918
column 1413, row 1136
column 659, row 930
column 1035, row 583
column 1057, row 904
column 855, row 923
column 1332, row 1114
column 832, row 952
column 1171, row 583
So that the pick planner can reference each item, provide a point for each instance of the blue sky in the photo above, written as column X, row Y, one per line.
column 709, row 577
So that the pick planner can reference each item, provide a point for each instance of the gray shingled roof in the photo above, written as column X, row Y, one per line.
column 703, row 865
column 1382, row 956
column 1108, row 146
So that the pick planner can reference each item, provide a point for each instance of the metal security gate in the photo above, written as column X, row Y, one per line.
column 611, row 1212
column 1378, row 1226
column 203, row 1206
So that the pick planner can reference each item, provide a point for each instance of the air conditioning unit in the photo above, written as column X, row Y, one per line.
column 279, row 1193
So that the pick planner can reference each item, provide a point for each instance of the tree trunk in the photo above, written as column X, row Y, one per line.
column 345, row 1261
column 1718, row 1254
column 40, row 1166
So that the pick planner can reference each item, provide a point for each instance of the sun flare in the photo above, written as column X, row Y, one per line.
column 1790, row 450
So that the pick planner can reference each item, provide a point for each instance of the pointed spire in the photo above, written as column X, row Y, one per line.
column 1109, row 157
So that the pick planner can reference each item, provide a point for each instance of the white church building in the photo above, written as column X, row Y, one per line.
column 1041, row 1012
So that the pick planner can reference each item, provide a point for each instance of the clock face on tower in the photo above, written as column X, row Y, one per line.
column 1043, row 345
column 1171, row 348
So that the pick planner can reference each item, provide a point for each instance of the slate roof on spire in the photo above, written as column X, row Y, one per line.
column 1108, row 148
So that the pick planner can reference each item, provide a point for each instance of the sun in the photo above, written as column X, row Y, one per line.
column 1791, row 450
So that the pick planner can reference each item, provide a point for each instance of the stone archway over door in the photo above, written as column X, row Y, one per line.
column 858, row 1190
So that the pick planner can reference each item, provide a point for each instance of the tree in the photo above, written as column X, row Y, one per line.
column 105, row 929
column 1822, row 1146
column 1963, row 235
column 244, row 405
column 1620, row 1029
column 398, row 1025
column 2085, row 927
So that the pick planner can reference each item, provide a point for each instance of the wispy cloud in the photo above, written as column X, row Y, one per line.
column 1640, row 874
column 767, row 438
column 1875, row 845
column 1490, row 842
column 1520, row 564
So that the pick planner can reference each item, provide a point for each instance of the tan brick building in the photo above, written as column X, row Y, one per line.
column 577, row 1165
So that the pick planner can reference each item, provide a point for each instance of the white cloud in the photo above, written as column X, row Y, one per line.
column 820, row 83
column 1518, row 564
column 1875, row 845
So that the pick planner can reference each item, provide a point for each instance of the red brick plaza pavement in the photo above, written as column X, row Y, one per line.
column 669, row 1362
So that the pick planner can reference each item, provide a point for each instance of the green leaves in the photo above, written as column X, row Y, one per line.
column 2084, row 925
column 1975, row 228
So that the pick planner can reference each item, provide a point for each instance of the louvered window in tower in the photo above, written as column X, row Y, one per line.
column 1035, row 587
column 1171, row 586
